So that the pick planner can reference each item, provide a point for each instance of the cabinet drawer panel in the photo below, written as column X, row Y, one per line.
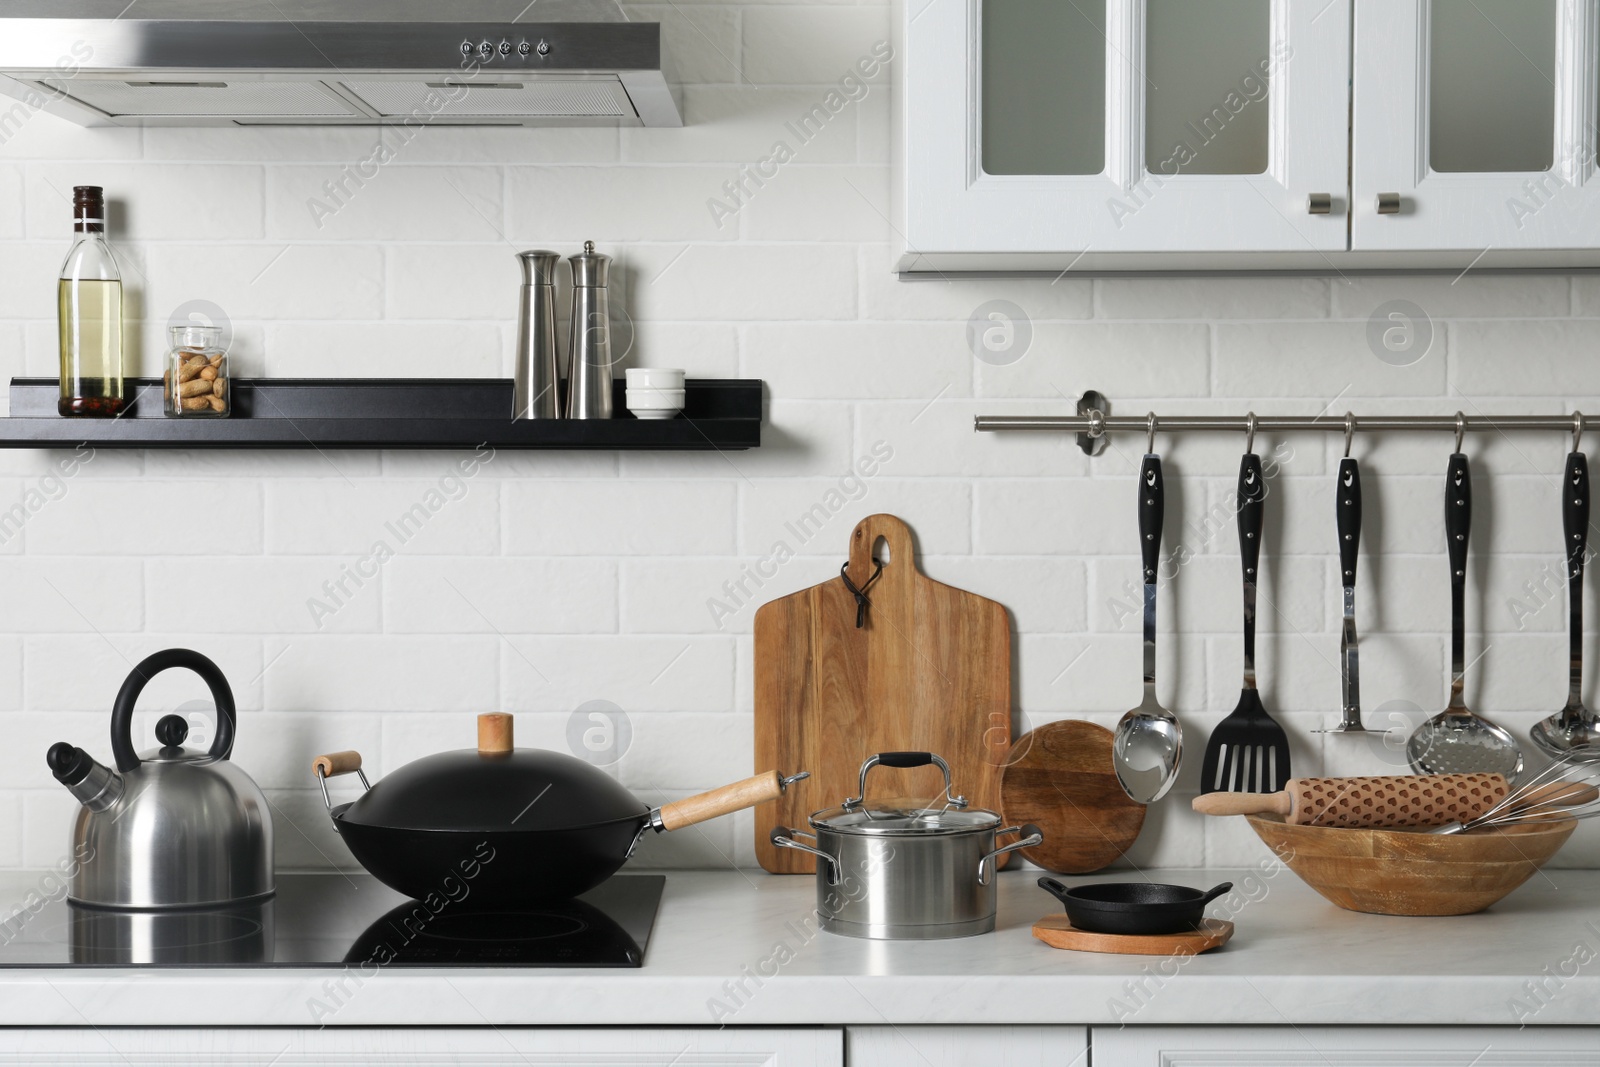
column 1345, row 1046
column 960, row 1046
column 503, row 1047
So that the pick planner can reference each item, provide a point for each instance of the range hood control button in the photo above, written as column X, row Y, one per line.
column 505, row 48
column 466, row 48
column 524, row 48
column 486, row 50
column 544, row 48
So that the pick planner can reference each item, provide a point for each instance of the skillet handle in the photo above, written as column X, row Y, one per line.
column 758, row 789
column 1054, row 888
column 1214, row 893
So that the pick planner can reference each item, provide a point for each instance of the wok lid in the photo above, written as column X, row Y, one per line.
column 495, row 787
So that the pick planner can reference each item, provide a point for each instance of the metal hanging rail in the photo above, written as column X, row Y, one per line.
column 1094, row 424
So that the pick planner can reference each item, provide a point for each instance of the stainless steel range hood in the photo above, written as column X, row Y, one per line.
column 331, row 63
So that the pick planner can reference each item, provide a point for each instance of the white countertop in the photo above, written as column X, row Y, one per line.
column 1295, row 959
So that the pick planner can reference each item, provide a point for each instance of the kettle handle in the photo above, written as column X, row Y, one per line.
column 148, row 668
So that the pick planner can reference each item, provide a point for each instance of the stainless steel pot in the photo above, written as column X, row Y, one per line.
column 905, row 870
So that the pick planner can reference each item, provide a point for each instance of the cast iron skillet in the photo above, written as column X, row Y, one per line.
column 1133, row 907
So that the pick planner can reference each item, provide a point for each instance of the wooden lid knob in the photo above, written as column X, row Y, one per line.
column 494, row 734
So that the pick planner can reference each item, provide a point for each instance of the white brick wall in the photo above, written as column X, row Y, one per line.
column 547, row 580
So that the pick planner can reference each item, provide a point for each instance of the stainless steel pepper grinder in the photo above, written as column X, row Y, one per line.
column 589, row 344
column 538, row 376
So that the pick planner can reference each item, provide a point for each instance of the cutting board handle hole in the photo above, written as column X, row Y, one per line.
column 880, row 551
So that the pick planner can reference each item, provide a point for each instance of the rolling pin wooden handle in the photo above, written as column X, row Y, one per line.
column 1243, row 803
column 336, row 763
column 759, row 789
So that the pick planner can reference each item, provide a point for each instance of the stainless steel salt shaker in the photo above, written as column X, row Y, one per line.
column 538, row 374
column 589, row 340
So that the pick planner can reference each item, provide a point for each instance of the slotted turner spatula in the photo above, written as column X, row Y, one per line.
column 1248, row 751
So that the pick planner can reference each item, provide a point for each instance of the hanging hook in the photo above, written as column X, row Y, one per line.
column 1577, row 428
column 1250, row 432
column 1097, row 423
column 1349, row 432
column 1150, row 437
column 1461, row 429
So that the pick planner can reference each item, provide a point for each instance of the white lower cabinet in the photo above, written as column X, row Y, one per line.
column 1346, row 1046
column 960, row 1046
column 352, row 1047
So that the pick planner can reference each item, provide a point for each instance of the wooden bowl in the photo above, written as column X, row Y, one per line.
column 1409, row 872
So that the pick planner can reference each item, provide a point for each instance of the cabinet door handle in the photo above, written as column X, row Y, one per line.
column 1388, row 203
column 1319, row 203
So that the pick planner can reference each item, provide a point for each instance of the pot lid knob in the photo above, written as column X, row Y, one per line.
column 494, row 734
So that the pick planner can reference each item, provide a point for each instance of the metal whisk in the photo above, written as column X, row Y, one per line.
column 1569, row 788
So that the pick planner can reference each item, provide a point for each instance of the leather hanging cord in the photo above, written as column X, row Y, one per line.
column 862, row 603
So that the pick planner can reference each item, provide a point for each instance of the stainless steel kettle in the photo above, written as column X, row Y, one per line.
column 170, row 827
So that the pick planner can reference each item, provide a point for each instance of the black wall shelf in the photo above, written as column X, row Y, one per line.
column 396, row 413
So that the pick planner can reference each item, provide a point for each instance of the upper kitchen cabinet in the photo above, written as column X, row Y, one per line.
column 1039, row 134
column 1474, row 130
column 1249, row 134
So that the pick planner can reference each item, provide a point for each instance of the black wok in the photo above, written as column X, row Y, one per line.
column 501, row 826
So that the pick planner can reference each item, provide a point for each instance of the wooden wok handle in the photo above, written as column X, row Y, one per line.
column 336, row 763
column 1243, row 803
column 730, row 798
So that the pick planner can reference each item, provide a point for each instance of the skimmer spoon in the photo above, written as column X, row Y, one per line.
column 1457, row 740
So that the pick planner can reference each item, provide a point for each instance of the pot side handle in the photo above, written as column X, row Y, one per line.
column 1031, row 835
column 757, row 789
column 783, row 837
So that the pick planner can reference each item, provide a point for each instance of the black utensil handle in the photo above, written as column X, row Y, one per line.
column 1347, row 512
column 148, row 668
column 1575, row 524
column 1252, row 507
column 1575, row 520
column 1457, row 531
column 1152, row 509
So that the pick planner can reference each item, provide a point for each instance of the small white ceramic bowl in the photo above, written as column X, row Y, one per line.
column 654, row 403
column 654, row 378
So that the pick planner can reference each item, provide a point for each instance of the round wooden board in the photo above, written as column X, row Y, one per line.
column 1060, row 778
column 1057, row 932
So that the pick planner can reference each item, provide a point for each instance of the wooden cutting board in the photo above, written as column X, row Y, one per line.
column 1060, row 778
column 930, row 671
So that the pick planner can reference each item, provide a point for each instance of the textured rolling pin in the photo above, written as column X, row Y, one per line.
column 1387, row 801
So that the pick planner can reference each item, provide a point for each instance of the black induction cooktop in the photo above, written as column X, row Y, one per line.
column 335, row 920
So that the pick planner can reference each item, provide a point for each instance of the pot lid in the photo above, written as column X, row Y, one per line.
column 495, row 788
column 905, row 817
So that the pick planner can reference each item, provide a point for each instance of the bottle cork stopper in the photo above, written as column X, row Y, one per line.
column 494, row 734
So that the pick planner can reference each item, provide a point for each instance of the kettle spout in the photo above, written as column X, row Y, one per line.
column 96, row 786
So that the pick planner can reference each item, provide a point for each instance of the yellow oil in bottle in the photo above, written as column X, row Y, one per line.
column 91, row 346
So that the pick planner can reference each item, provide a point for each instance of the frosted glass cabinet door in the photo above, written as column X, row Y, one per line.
column 1047, row 130
column 1477, row 118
